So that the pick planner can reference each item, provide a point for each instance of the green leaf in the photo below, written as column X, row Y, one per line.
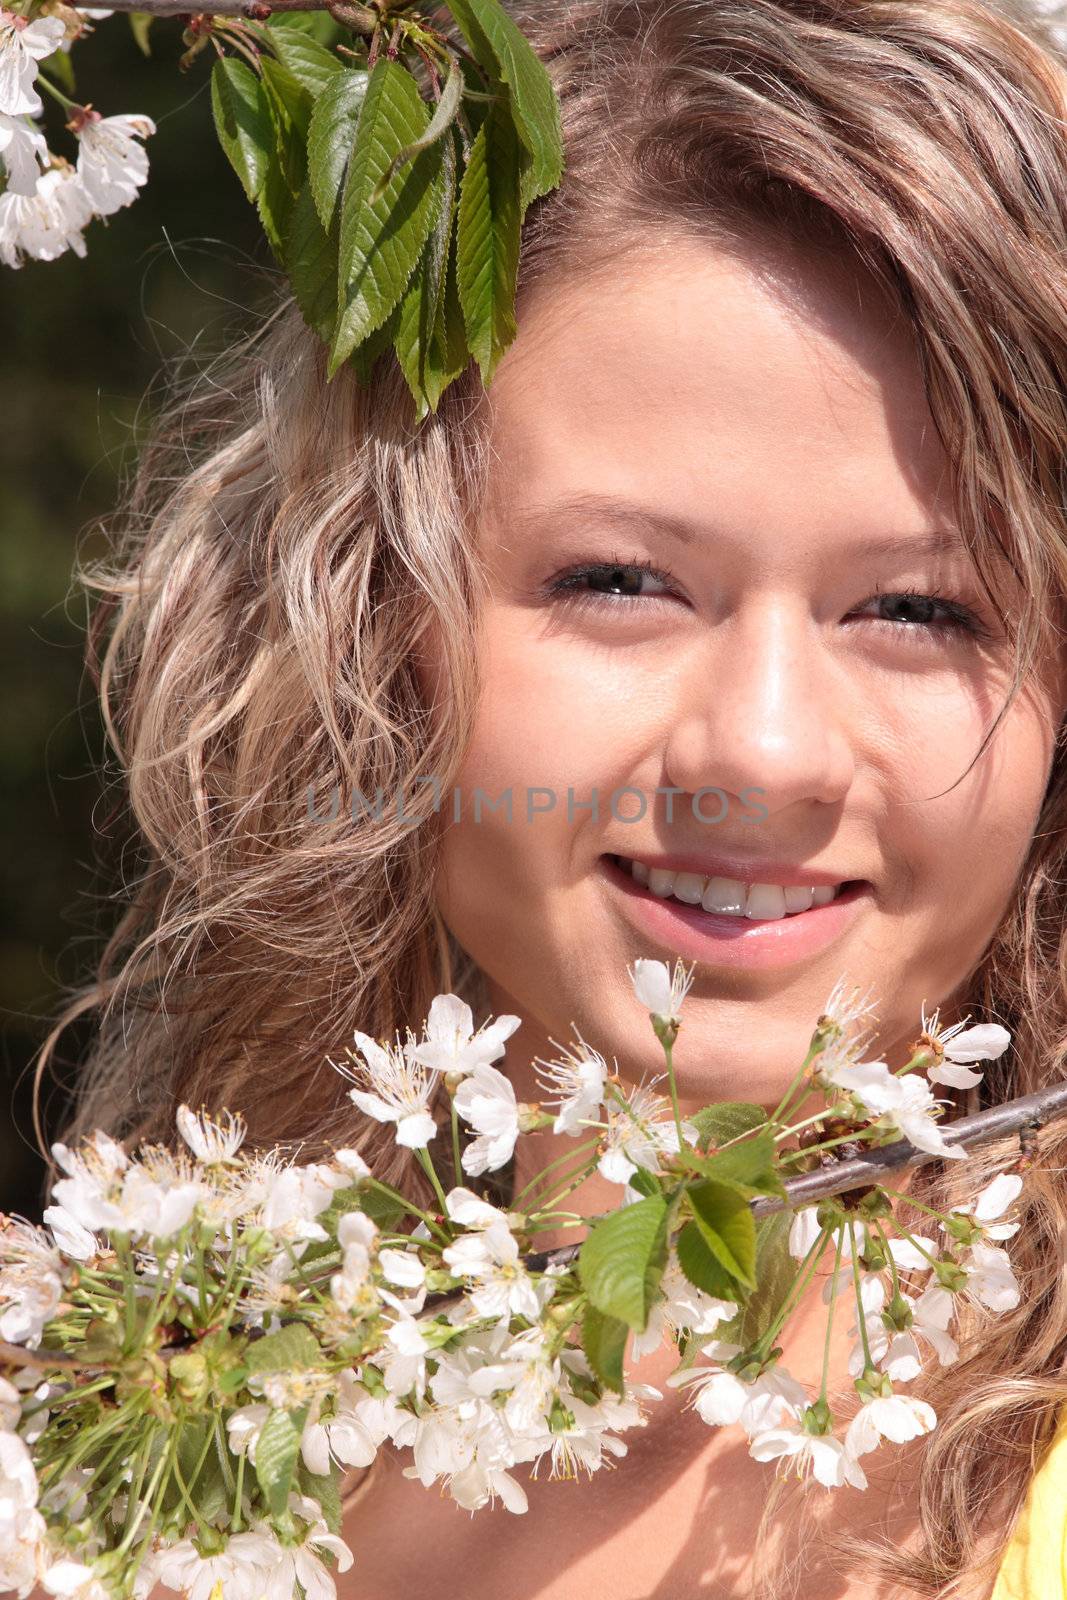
column 331, row 138
column 728, row 1120
column 311, row 265
column 365, row 356
column 311, row 65
column 325, row 1489
column 604, row 1342
column 622, row 1260
column 318, row 24
column 421, row 335
column 748, row 1167
column 442, row 119
column 644, row 1182
column 775, row 1274
column 140, row 22
column 293, row 1347
column 381, row 241
column 728, row 1228
column 208, row 1490
column 291, row 105
column 485, row 24
column 488, row 240
column 243, row 122
column 701, row 1267
column 277, row 1453
column 276, row 204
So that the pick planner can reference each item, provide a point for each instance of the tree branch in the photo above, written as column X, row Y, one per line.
column 218, row 8
column 1022, row 1116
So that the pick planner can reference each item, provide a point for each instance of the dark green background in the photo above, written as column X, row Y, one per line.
column 83, row 353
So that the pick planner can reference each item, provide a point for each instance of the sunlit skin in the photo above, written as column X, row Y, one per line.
column 771, row 403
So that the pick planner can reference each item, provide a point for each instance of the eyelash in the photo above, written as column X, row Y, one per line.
column 565, row 586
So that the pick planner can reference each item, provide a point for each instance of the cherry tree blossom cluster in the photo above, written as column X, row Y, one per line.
column 198, row 1341
column 47, row 201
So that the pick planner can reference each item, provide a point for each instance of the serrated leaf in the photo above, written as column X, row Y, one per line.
column 622, row 1260
column 419, row 349
column 604, row 1342
column 533, row 97
column 488, row 241
column 311, row 266
column 719, row 1123
column 140, row 22
column 292, row 1348
column 727, row 1226
column 291, row 104
column 775, row 1275
column 277, row 1453
column 366, row 354
column 276, row 204
column 442, row 119
column 381, row 241
column 325, row 1489
column 311, row 65
column 332, row 137
column 749, row 1167
column 318, row 24
column 243, row 122
column 701, row 1267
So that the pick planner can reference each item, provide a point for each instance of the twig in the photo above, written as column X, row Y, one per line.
column 218, row 8
column 1029, row 1112
column 1025, row 1115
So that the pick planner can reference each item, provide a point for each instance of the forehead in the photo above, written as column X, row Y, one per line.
column 762, row 383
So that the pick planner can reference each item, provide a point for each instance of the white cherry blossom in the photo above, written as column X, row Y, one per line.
column 897, row 1417
column 578, row 1078
column 451, row 1043
column 682, row 1308
column 960, row 1046
column 721, row 1397
column 211, row 1139
column 112, row 165
column 639, row 1131
column 242, row 1569
column 23, row 152
column 22, row 45
column 301, row 1563
column 400, row 1090
column 904, row 1103
column 486, row 1100
column 660, row 990
column 820, row 1454
column 992, row 1203
column 47, row 223
column 31, row 1281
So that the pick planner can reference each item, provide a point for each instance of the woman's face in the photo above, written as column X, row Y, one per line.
column 752, row 431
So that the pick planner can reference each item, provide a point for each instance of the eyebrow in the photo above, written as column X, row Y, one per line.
column 616, row 510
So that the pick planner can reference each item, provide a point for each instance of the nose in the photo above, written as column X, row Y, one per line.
column 764, row 706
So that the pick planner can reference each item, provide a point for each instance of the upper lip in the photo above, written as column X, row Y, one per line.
column 742, row 869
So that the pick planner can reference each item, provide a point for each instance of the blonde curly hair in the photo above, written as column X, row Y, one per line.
column 290, row 545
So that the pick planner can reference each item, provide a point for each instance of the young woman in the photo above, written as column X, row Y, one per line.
column 745, row 578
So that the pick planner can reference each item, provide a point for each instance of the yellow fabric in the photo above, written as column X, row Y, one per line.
column 1034, row 1566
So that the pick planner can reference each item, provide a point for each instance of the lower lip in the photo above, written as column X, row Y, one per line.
column 723, row 941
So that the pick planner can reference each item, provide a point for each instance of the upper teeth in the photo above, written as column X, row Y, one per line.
column 762, row 902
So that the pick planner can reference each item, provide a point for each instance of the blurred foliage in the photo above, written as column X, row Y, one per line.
column 83, row 347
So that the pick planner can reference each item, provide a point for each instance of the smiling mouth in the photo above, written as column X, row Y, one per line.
column 730, row 897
